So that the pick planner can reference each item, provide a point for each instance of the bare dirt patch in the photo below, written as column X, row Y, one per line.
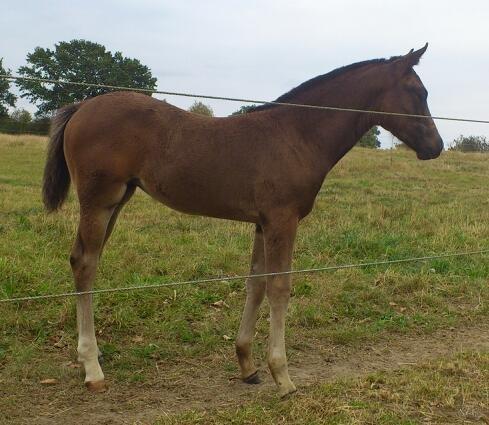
column 204, row 384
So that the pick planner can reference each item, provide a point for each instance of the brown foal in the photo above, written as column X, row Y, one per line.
column 264, row 167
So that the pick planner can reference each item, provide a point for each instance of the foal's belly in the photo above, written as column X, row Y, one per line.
column 198, row 198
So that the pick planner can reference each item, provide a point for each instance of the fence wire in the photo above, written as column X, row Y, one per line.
column 243, row 277
column 235, row 99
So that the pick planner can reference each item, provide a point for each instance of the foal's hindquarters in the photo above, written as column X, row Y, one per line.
column 96, row 222
column 101, row 177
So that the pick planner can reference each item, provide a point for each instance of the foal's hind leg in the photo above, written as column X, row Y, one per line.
column 255, row 292
column 96, row 212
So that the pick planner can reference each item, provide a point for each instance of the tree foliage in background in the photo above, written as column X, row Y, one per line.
column 201, row 109
column 6, row 97
column 83, row 61
column 370, row 139
column 470, row 144
column 244, row 109
column 21, row 116
column 20, row 121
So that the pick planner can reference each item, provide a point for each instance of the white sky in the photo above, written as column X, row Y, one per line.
column 261, row 49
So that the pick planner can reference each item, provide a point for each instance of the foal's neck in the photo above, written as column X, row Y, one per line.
column 331, row 134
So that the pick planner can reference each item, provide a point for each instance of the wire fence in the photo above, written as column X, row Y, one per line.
column 243, row 277
column 235, row 99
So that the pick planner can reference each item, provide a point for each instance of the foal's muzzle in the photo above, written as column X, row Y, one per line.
column 431, row 152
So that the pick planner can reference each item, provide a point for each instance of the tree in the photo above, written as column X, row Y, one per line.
column 19, row 121
column 6, row 97
column 470, row 144
column 81, row 61
column 201, row 109
column 21, row 116
column 244, row 109
column 370, row 139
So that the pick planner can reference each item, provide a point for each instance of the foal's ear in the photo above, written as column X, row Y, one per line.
column 413, row 57
column 406, row 62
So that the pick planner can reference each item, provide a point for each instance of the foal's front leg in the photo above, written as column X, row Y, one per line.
column 279, row 244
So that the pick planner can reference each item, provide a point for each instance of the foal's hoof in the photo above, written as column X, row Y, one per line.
column 286, row 392
column 96, row 387
column 254, row 379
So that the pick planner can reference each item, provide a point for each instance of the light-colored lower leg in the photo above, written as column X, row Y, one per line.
column 88, row 353
column 255, row 292
column 277, row 358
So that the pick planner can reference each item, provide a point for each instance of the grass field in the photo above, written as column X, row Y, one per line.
column 372, row 206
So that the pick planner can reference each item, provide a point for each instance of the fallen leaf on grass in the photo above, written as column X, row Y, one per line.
column 60, row 344
column 50, row 381
column 219, row 304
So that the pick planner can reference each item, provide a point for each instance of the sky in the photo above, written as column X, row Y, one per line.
column 262, row 49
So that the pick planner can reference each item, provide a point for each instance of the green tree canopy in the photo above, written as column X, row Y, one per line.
column 7, row 98
column 244, row 109
column 370, row 139
column 82, row 61
column 470, row 144
column 201, row 108
column 21, row 116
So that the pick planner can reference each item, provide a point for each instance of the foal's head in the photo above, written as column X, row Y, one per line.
column 407, row 94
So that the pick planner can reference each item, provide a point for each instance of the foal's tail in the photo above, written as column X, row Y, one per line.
column 56, row 180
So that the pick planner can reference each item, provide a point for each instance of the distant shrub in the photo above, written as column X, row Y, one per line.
column 244, row 109
column 20, row 121
column 470, row 144
column 202, row 109
column 370, row 139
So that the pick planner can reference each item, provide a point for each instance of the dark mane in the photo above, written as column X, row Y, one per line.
column 320, row 79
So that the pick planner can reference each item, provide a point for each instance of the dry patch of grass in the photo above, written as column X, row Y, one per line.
column 442, row 391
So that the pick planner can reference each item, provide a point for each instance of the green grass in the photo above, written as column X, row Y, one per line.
column 368, row 209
